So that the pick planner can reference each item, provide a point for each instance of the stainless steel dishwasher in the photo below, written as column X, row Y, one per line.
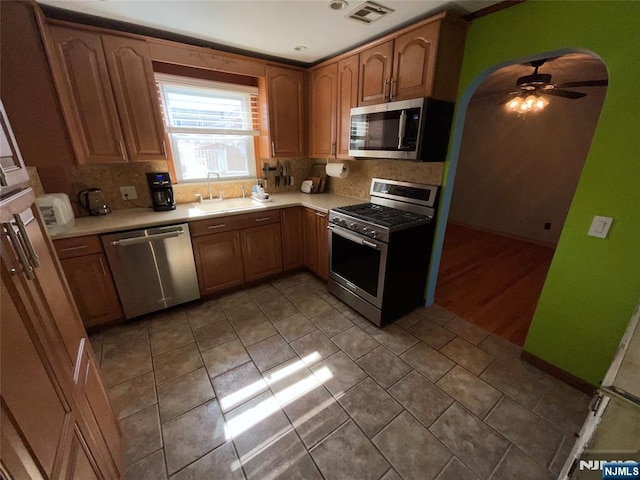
column 153, row 268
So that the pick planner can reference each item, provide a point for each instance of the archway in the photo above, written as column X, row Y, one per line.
column 511, row 177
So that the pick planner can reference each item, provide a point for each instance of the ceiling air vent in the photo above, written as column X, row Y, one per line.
column 369, row 12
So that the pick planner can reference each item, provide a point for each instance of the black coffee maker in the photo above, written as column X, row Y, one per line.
column 161, row 191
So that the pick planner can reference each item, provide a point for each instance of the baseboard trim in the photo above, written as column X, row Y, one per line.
column 558, row 373
column 503, row 234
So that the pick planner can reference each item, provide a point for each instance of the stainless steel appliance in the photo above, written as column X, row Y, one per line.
column 161, row 191
column 92, row 200
column 379, row 251
column 415, row 129
column 153, row 268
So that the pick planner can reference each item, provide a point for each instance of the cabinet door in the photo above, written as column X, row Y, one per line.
column 261, row 251
column 218, row 261
column 323, row 111
column 135, row 92
column 375, row 74
column 89, row 384
column 286, row 112
column 310, row 239
column 12, row 170
column 292, row 239
column 93, row 289
column 322, row 236
column 86, row 97
column 413, row 63
column 40, row 415
column 347, row 99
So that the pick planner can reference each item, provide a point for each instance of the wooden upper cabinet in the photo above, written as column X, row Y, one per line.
column 324, row 83
column 80, row 71
column 347, row 99
column 134, row 89
column 424, row 61
column 414, row 62
column 334, row 92
column 284, row 132
column 375, row 74
column 108, row 96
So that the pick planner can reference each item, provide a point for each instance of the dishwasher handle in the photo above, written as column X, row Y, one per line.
column 125, row 242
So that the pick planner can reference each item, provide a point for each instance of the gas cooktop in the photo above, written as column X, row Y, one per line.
column 382, row 215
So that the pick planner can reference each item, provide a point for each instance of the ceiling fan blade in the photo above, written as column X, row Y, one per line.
column 565, row 93
column 490, row 95
column 584, row 83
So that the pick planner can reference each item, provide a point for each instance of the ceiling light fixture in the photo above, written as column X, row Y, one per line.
column 299, row 48
column 526, row 103
column 338, row 4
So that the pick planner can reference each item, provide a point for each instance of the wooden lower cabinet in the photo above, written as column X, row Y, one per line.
column 93, row 289
column 261, row 251
column 316, row 242
column 218, row 261
column 292, row 238
column 322, row 222
column 51, row 398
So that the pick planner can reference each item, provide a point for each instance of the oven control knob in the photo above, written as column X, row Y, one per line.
column 352, row 225
column 374, row 233
column 365, row 230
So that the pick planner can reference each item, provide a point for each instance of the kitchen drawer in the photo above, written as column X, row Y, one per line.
column 78, row 246
column 233, row 222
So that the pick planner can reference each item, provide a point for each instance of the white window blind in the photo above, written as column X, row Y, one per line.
column 211, row 126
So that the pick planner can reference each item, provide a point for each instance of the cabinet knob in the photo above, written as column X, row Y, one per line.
column 273, row 148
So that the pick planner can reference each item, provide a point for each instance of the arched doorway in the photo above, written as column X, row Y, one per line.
column 509, row 185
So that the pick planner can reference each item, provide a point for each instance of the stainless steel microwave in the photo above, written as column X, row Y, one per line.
column 415, row 129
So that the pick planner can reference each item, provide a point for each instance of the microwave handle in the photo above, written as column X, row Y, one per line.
column 401, row 129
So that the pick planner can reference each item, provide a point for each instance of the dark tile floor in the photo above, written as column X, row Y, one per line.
column 284, row 381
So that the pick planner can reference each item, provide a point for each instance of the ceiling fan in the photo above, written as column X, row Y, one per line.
column 531, row 90
column 540, row 83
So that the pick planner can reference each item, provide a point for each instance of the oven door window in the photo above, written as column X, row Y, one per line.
column 357, row 264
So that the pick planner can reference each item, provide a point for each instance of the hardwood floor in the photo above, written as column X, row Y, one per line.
column 491, row 280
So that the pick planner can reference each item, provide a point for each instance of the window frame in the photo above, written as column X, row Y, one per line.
column 174, row 159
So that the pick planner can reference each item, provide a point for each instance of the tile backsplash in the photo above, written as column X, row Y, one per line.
column 110, row 178
column 358, row 182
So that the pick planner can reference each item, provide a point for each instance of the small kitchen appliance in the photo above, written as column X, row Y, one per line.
column 415, row 129
column 379, row 251
column 56, row 212
column 92, row 200
column 161, row 191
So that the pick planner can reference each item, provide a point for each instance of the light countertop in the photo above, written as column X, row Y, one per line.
column 131, row 218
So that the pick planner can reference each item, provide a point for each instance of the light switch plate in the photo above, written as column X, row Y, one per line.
column 128, row 192
column 600, row 226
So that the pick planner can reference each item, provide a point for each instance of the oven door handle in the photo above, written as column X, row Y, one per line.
column 352, row 237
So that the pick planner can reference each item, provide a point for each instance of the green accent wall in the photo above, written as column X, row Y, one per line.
column 593, row 285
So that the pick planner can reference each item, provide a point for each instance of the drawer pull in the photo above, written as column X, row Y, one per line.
column 213, row 227
column 71, row 249
column 263, row 219
column 321, row 214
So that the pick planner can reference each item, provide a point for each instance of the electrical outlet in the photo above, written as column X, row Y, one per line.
column 129, row 192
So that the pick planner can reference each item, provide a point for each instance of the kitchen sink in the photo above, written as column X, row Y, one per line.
column 229, row 205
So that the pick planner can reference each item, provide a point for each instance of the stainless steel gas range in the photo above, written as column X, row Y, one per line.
column 379, row 251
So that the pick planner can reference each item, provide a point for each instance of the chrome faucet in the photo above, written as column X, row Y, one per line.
column 209, row 183
column 244, row 194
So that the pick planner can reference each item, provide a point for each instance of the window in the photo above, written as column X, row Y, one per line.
column 211, row 127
